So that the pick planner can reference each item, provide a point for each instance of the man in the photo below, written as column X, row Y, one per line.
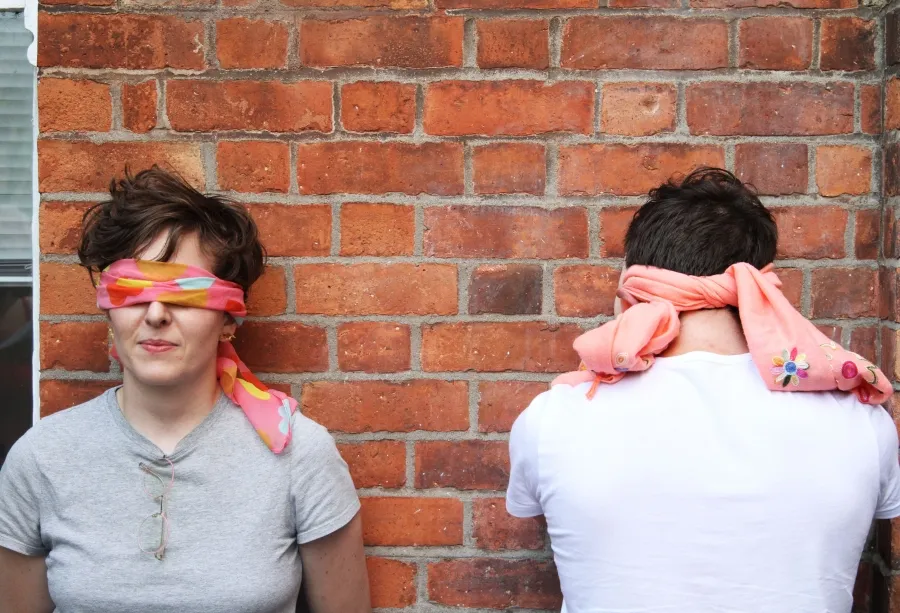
column 715, row 453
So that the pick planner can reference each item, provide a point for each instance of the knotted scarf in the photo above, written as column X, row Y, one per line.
column 129, row 282
column 790, row 353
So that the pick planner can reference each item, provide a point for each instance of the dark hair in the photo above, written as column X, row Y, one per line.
column 142, row 206
column 702, row 225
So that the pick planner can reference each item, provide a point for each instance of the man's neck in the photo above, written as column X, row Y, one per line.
column 165, row 415
column 712, row 330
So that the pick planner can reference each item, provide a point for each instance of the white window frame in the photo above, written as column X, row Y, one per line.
column 30, row 8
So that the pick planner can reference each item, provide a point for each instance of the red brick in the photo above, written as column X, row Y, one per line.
column 139, row 106
column 368, row 106
column 373, row 346
column 843, row 169
column 75, row 346
column 78, row 2
column 380, row 168
column 892, row 104
column 513, row 43
column 638, row 109
column 870, row 110
column 58, row 395
column 60, row 226
column 139, row 42
column 844, row 292
column 398, row 522
column 629, row 170
column 271, row 106
column 864, row 341
column 792, row 288
column 72, row 166
column 376, row 463
column 65, row 105
column 801, row 4
column 508, row 289
column 464, row 465
column 887, row 293
column 376, row 289
column 505, row 232
column 392, row 583
column 776, row 43
column 393, row 4
column 502, row 401
column 652, row 43
column 382, row 42
column 867, row 236
column 504, row 168
column 495, row 583
column 251, row 43
column 268, row 295
column 515, row 4
column 254, row 166
column 383, row 406
column 614, row 224
column 644, row 4
column 268, row 346
column 811, row 232
column 66, row 290
column 892, row 169
column 889, row 232
column 517, row 108
column 294, row 230
column 888, row 360
column 585, row 290
column 495, row 347
column 377, row 229
column 848, row 43
column 770, row 109
column 168, row 4
column 774, row 169
column 496, row 530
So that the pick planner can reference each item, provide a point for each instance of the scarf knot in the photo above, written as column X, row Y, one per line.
column 790, row 353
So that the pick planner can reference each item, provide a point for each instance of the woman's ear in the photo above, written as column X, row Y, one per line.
column 230, row 327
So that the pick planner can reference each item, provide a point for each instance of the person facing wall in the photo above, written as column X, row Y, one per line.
column 715, row 452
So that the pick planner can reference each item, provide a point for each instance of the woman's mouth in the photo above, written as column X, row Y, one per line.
column 156, row 345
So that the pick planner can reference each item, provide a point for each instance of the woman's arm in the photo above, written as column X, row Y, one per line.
column 334, row 571
column 23, row 583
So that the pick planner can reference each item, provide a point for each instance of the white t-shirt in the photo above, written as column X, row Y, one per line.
column 692, row 488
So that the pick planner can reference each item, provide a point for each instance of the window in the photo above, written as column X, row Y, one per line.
column 17, row 80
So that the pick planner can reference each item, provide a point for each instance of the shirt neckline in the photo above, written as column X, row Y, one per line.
column 705, row 356
column 149, row 449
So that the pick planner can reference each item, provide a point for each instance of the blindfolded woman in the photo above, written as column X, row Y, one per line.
column 190, row 488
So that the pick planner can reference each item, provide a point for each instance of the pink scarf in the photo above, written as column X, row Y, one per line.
column 129, row 282
column 788, row 350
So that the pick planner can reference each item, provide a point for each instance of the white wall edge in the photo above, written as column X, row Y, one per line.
column 12, row 4
column 31, row 12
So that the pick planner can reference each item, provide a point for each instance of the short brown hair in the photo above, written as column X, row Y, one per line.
column 142, row 206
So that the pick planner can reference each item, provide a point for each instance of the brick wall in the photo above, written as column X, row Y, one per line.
column 443, row 187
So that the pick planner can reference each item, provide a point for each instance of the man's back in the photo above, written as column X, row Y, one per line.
column 693, row 488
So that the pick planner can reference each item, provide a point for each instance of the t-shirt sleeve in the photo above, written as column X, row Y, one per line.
column 889, row 493
column 523, row 492
column 20, row 495
column 325, row 499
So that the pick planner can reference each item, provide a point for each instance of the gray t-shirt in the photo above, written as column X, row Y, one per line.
column 72, row 489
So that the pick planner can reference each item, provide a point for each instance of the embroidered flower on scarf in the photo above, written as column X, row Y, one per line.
column 790, row 367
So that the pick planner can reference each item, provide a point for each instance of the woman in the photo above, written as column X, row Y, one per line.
column 189, row 488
